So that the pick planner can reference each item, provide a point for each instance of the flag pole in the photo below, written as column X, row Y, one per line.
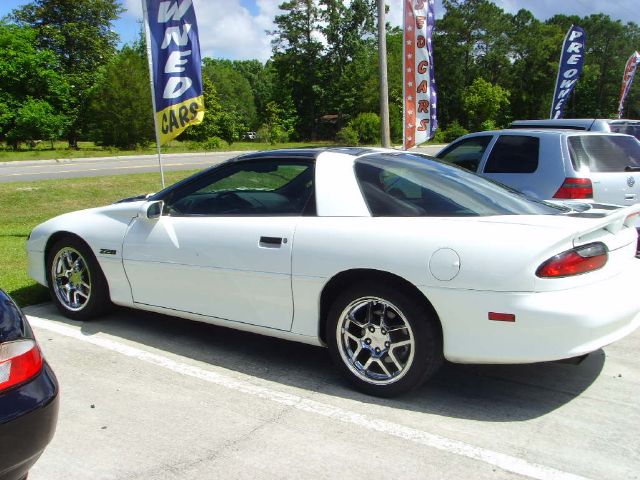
column 404, row 80
column 384, row 84
column 147, row 34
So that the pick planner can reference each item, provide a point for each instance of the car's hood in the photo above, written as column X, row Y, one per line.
column 102, row 222
column 123, row 211
column 143, row 196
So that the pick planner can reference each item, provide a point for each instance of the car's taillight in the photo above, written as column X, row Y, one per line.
column 575, row 188
column 20, row 361
column 574, row 262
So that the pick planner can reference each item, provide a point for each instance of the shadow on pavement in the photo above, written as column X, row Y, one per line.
column 494, row 393
column 30, row 295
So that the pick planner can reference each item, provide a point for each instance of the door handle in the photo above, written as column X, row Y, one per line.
column 271, row 242
column 630, row 196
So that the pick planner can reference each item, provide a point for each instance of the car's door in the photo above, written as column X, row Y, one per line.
column 513, row 161
column 222, row 246
column 466, row 153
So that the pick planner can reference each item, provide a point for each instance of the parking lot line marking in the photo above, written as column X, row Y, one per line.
column 500, row 460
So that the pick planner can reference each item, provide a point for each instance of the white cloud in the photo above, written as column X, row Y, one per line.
column 134, row 9
column 230, row 30
column 227, row 29
column 624, row 10
column 394, row 16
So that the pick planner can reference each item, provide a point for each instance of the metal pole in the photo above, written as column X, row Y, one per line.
column 385, row 136
column 404, row 72
column 147, row 34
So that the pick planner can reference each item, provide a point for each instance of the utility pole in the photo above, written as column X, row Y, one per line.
column 385, row 136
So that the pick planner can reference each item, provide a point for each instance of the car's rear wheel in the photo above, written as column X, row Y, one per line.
column 77, row 285
column 385, row 341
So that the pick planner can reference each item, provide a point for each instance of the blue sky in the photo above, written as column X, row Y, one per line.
column 236, row 28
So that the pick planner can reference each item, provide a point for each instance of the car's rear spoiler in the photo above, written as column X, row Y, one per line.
column 613, row 222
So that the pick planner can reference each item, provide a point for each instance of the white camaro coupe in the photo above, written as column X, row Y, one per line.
column 392, row 260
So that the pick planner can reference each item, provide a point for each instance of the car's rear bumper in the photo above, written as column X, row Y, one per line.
column 548, row 325
column 28, row 416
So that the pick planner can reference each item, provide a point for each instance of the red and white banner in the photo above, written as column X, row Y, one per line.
column 627, row 79
column 420, row 103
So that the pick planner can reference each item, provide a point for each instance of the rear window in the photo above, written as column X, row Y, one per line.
column 604, row 153
column 514, row 154
column 410, row 185
column 633, row 130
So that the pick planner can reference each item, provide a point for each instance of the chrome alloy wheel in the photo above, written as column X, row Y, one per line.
column 71, row 279
column 375, row 340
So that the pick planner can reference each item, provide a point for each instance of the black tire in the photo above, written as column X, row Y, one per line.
column 97, row 302
column 423, row 326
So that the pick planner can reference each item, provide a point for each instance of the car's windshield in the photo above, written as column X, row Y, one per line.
column 604, row 153
column 415, row 185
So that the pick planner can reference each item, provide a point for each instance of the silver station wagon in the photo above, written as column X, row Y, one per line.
column 545, row 163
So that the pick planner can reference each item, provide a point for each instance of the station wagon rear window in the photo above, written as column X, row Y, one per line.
column 604, row 153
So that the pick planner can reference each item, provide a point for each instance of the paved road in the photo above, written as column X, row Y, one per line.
column 149, row 397
column 90, row 167
column 93, row 167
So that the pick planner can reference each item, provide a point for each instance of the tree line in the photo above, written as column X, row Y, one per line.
column 62, row 74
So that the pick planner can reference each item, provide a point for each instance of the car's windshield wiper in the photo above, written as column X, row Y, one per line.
column 630, row 168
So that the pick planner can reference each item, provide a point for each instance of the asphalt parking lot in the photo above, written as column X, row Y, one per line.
column 145, row 396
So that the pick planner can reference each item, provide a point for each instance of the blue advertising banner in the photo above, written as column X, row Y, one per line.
column 172, row 38
column 571, row 62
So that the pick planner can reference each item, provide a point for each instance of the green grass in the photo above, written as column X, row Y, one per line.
column 25, row 205
column 60, row 150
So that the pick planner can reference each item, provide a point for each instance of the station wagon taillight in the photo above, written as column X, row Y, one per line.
column 586, row 258
column 20, row 361
column 575, row 188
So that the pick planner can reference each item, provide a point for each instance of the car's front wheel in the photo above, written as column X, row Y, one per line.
column 76, row 282
column 385, row 341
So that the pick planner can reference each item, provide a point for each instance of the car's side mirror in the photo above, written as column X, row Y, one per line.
column 152, row 210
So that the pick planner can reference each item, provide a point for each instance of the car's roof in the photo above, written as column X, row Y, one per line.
column 594, row 124
column 542, row 132
column 574, row 123
column 308, row 153
column 624, row 121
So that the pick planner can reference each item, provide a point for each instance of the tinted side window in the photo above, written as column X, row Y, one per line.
column 248, row 188
column 604, row 153
column 407, row 185
column 466, row 153
column 514, row 154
